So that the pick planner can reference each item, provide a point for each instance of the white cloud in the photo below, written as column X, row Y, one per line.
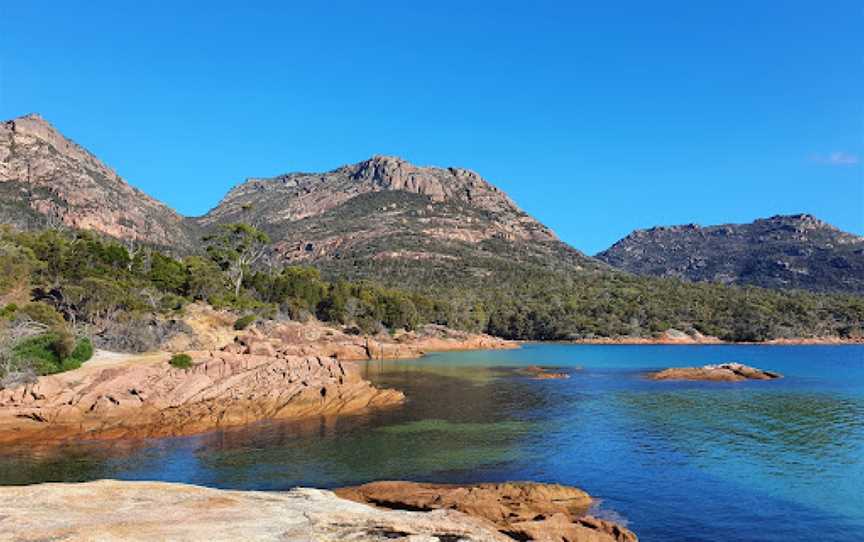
column 836, row 158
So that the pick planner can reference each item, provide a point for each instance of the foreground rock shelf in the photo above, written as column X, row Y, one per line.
column 724, row 372
column 147, row 397
column 111, row 510
column 519, row 510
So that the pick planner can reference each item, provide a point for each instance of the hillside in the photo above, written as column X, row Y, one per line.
column 420, row 245
column 781, row 252
column 47, row 180
column 387, row 219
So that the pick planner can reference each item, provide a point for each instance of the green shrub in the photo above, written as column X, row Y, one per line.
column 244, row 321
column 8, row 312
column 180, row 361
column 41, row 352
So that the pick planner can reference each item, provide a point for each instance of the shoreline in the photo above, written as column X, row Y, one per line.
column 637, row 341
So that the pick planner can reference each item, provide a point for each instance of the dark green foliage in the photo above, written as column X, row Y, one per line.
column 92, row 280
column 168, row 274
column 244, row 321
column 52, row 352
column 180, row 361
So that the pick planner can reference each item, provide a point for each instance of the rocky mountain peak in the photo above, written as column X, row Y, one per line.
column 46, row 178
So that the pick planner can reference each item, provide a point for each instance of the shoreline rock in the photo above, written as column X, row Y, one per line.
column 110, row 510
column 149, row 398
column 519, row 510
column 723, row 372
column 313, row 338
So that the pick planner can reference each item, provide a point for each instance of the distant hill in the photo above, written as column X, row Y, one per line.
column 781, row 252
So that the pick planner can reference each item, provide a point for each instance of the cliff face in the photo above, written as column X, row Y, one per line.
column 48, row 180
column 797, row 251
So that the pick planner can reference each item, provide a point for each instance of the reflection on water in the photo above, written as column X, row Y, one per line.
column 679, row 460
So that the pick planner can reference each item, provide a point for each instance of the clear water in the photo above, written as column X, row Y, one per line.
column 778, row 460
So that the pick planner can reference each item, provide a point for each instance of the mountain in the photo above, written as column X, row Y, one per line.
column 794, row 251
column 48, row 180
column 390, row 220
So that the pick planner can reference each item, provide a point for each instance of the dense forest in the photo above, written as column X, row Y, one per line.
column 77, row 287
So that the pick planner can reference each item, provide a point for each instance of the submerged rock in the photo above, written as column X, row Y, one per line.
column 723, row 372
column 519, row 510
column 542, row 373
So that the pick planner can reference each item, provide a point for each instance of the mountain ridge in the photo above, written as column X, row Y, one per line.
column 387, row 219
column 797, row 251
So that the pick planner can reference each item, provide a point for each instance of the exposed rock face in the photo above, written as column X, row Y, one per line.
column 46, row 179
column 520, row 510
column 797, row 251
column 112, row 510
column 724, row 372
column 302, row 195
column 390, row 221
column 150, row 398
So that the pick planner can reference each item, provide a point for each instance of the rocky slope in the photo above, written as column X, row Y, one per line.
column 385, row 218
column 147, row 397
column 797, row 251
column 48, row 180
column 111, row 510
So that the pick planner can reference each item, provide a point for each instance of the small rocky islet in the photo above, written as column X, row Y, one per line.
column 722, row 372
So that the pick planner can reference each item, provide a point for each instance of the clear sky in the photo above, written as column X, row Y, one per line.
column 596, row 117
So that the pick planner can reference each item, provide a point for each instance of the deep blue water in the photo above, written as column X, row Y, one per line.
column 769, row 460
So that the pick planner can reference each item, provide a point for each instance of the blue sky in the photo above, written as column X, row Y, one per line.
column 595, row 119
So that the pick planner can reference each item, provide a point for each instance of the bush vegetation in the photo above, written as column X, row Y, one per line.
column 52, row 352
column 120, row 291
column 244, row 321
column 180, row 361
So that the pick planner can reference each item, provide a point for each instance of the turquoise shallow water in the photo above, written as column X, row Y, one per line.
column 778, row 460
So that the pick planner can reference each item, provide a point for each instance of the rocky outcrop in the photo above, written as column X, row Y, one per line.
column 519, row 510
column 148, row 397
column 794, row 251
column 724, row 372
column 111, row 510
column 48, row 180
column 313, row 338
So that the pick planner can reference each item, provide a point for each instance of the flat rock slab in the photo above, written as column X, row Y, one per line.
column 111, row 510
